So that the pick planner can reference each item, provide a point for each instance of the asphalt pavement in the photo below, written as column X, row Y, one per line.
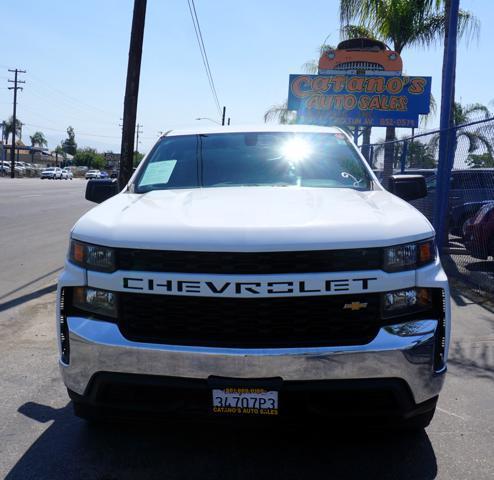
column 41, row 439
column 35, row 220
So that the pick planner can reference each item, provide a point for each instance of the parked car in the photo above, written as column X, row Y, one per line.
column 462, row 214
column 67, row 174
column 104, row 175
column 479, row 233
column 5, row 169
column 466, row 185
column 93, row 174
column 52, row 173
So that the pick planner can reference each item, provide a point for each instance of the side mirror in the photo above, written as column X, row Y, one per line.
column 408, row 187
column 100, row 190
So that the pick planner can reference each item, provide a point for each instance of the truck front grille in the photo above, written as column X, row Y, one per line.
column 359, row 66
column 250, row 263
column 249, row 323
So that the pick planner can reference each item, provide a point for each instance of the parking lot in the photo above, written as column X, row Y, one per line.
column 41, row 439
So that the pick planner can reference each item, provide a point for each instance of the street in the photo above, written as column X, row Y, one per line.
column 41, row 439
column 35, row 220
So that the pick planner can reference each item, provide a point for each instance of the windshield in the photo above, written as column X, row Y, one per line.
column 253, row 159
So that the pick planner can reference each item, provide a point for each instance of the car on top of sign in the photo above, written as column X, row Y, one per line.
column 361, row 56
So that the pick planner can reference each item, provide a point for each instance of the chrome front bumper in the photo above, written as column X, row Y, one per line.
column 404, row 351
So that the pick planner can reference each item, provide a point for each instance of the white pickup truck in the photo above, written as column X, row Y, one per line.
column 254, row 272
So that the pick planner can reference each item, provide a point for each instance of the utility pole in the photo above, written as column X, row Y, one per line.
column 132, row 92
column 14, row 117
column 138, row 131
column 228, row 120
column 223, row 116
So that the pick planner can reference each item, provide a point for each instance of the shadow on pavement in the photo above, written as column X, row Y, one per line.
column 37, row 279
column 70, row 448
column 28, row 297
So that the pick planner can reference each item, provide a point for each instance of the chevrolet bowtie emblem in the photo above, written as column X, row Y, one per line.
column 354, row 306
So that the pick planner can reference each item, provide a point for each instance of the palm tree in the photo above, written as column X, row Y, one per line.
column 280, row 113
column 463, row 114
column 8, row 128
column 38, row 138
column 403, row 23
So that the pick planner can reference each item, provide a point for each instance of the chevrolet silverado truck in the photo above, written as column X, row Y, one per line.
column 254, row 272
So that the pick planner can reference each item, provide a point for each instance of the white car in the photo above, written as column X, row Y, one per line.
column 92, row 174
column 52, row 173
column 5, row 169
column 255, row 272
column 67, row 174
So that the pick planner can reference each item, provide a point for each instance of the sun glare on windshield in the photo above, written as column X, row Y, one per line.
column 296, row 149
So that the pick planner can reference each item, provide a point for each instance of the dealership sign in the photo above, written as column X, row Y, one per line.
column 359, row 100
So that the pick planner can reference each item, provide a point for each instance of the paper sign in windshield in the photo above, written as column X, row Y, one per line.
column 158, row 172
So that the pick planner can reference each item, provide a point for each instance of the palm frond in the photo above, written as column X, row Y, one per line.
column 356, row 31
column 280, row 113
column 476, row 108
column 475, row 140
column 310, row 67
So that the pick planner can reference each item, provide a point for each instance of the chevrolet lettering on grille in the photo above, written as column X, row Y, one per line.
column 251, row 288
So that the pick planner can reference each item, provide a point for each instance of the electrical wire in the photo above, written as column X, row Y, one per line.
column 202, row 49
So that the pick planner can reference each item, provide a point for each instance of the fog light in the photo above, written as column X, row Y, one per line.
column 406, row 301
column 101, row 302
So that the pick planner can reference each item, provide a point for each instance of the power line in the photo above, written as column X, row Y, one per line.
column 58, row 130
column 202, row 49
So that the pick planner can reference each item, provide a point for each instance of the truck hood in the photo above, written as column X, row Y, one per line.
column 253, row 219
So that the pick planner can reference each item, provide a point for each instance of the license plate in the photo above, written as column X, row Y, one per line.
column 245, row 401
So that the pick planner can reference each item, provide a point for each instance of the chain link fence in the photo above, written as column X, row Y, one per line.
column 468, row 250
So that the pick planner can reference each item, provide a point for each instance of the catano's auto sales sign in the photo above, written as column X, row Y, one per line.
column 359, row 99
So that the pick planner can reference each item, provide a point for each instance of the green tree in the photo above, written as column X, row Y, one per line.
column 8, row 127
column 402, row 23
column 419, row 155
column 90, row 158
column 38, row 139
column 69, row 144
column 483, row 160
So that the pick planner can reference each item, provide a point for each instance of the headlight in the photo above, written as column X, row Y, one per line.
column 92, row 257
column 101, row 302
column 409, row 256
column 407, row 301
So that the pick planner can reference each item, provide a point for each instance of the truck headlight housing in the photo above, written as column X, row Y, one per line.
column 406, row 301
column 409, row 256
column 92, row 257
column 94, row 300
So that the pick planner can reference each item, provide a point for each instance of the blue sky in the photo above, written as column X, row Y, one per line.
column 75, row 54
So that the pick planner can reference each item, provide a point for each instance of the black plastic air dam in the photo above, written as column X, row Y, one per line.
column 128, row 396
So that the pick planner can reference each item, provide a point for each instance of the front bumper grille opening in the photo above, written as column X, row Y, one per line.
column 64, row 329
column 249, row 323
